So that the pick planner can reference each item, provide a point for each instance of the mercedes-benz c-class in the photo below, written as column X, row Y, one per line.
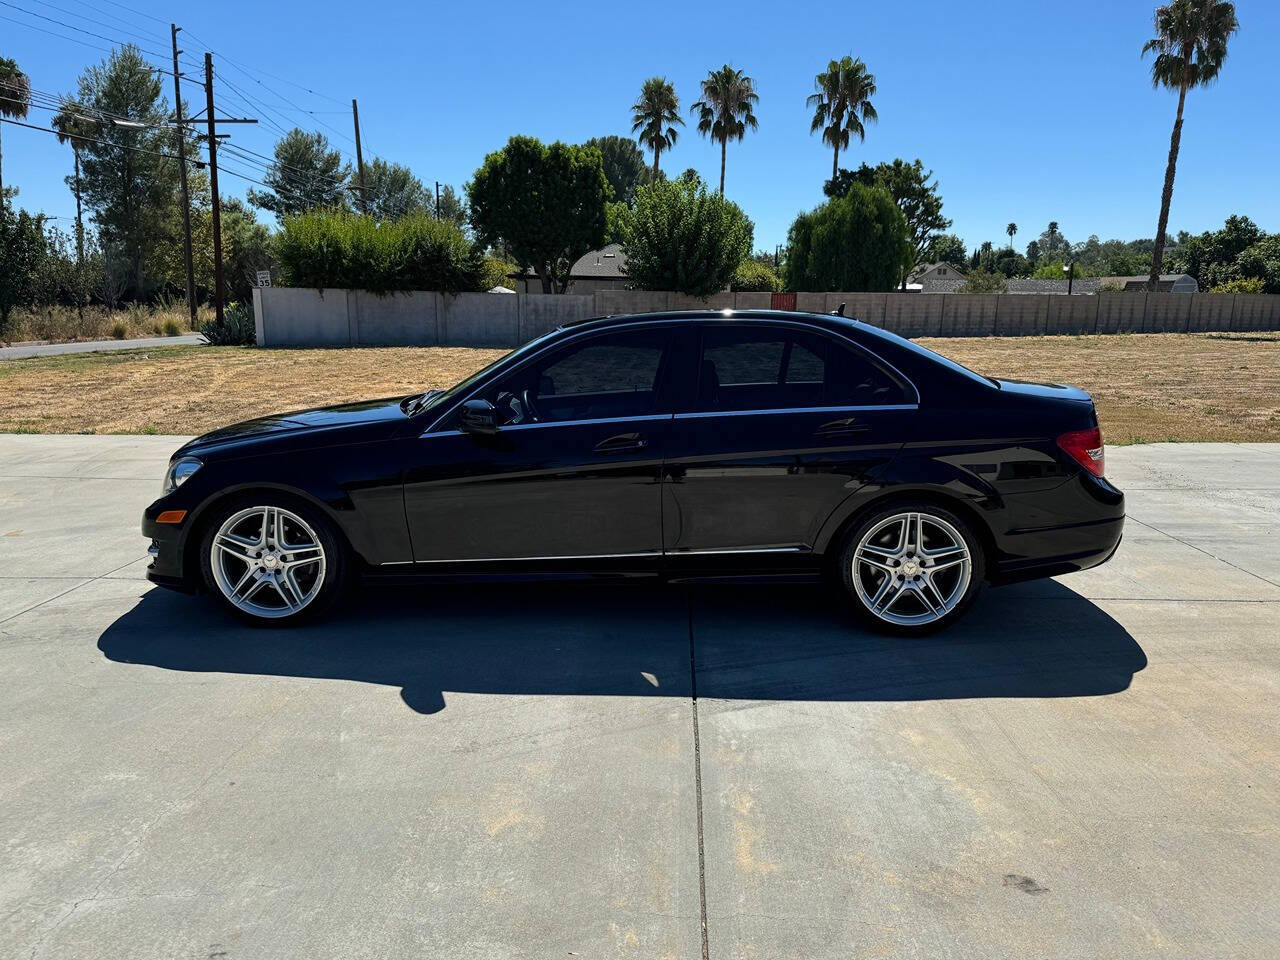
column 681, row 445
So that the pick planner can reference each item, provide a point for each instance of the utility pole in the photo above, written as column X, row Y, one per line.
column 182, row 176
column 364, row 199
column 438, row 217
column 213, row 190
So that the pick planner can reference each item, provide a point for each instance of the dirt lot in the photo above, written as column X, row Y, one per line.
column 1154, row 387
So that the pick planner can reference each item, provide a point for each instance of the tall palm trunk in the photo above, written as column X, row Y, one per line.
column 835, row 163
column 1, row 175
column 1157, row 255
column 724, row 144
column 656, row 151
column 80, row 291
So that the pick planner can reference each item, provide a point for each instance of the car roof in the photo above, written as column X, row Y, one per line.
column 828, row 320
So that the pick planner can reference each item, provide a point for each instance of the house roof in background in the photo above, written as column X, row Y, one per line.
column 607, row 263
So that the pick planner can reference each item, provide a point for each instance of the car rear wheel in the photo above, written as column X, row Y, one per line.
column 912, row 568
column 272, row 561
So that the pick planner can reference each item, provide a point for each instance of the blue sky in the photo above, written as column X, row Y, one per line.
column 1026, row 111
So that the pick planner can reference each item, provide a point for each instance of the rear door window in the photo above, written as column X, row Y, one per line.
column 775, row 369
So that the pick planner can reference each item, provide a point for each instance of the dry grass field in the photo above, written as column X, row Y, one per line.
column 1150, row 387
column 58, row 324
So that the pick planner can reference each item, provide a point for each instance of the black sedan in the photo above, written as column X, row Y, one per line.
column 686, row 445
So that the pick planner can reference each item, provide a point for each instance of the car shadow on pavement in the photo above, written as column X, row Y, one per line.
column 751, row 642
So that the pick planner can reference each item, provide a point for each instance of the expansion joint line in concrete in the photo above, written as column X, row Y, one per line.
column 697, row 784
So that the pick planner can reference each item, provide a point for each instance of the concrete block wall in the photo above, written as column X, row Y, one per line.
column 288, row 316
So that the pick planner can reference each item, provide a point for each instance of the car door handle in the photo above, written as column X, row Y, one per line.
column 839, row 428
column 622, row 443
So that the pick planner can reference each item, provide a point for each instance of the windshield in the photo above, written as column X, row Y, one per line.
column 444, row 397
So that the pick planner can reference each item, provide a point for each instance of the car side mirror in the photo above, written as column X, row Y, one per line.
column 479, row 417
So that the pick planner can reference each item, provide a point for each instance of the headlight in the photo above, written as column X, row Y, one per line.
column 178, row 471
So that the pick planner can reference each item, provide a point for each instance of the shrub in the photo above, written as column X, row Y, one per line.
column 680, row 237
column 344, row 250
column 237, row 330
column 984, row 281
column 496, row 272
column 1241, row 285
column 119, row 331
column 859, row 241
column 754, row 277
column 171, row 328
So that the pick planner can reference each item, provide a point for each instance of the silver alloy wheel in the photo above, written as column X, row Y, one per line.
column 267, row 561
column 911, row 569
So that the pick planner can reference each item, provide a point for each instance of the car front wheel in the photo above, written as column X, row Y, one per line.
column 912, row 568
column 272, row 561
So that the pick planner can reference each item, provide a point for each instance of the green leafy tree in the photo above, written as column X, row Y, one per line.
column 15, row 101
column 655, row 115
column 22, row 252
column 129, row 183
column 1190, row 46
column 392, row 191
column 859, row 241
column 306, row 174
column 946, row 248
column 452, row 208
column 1033, row 252
column 983, row 281
column 679, row 237
column 914, row 191
column 841, row 104
column 727, row 109
column 755, row 277
column 1240, row 250
column 1052, row 244
column 546, row 205
column 624, row 166
column 338, row 248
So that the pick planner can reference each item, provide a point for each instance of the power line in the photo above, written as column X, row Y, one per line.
column 149, row 38
column 72, row 26
column 121, row 146
column 140, row 13
column 252, row 70
column 85, row 43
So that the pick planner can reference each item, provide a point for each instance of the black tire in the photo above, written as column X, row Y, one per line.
column 336, row 562
column 936, row 520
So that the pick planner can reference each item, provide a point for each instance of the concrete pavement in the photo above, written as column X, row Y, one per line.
column 1084, row 767
column 23, row 351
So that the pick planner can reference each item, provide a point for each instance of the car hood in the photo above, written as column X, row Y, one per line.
column 342, row 418
column 1053, row 391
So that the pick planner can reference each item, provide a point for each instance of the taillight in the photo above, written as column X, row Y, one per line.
column 1085, row 448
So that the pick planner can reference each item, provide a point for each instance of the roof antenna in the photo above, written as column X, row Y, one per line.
column 839, row 311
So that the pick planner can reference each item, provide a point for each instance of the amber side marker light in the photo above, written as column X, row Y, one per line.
column 172, row 516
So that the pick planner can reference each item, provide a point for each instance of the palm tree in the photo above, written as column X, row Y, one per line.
column 15, row 101
column 74, row 127
column 654, row 116
column 842, row 104
column 727, row 109
column 1189, row 46
column 1011, row 229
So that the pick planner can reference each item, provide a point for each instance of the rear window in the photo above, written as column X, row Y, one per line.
column 763, row 368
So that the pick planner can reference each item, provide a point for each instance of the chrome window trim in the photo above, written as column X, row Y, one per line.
column 587, row 422
column 694, row 414
column 663, row 321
